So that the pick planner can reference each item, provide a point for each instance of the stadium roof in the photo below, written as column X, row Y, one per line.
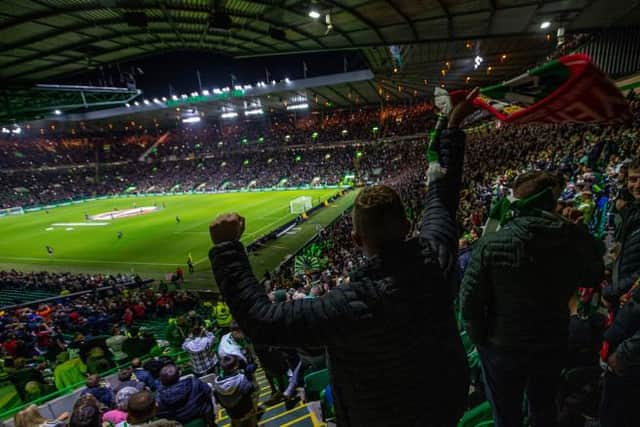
column 409, row 45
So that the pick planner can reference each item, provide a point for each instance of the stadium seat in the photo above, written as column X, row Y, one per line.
column 477, row 415
column 315, row 383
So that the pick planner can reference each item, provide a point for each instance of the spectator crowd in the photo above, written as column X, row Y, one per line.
column 545, row 266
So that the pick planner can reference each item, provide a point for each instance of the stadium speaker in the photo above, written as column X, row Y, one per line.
column 136, row 19
column 277, row 34
column 219, row 21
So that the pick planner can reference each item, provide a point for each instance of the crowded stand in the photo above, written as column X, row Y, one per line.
column 583, row 171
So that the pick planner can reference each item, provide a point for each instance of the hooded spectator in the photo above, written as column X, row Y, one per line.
column 185, row 399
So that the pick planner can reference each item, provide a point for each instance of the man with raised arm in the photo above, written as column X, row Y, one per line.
column 394, row 352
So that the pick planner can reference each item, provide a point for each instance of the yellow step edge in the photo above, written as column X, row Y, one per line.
column 281, row 414
column 226, row 416
column 297, row 420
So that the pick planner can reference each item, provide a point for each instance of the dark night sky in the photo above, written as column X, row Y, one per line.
column 179, row 70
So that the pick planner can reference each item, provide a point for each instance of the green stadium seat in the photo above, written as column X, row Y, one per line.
column 199, row 422
column 315, row 383
column 475, row 416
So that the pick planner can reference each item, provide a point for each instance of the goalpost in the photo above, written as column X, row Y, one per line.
column 300, row 204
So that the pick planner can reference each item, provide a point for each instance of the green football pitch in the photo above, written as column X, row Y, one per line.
column 154, row 243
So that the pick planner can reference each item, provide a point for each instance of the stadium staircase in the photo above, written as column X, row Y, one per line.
column 302, row 415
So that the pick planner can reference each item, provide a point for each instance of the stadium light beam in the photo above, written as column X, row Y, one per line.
column 297, row 107
column 146, row 102
column 477, row 61
column 57, row 112
column 544, row 25
column 254, row 112
column 314, row 14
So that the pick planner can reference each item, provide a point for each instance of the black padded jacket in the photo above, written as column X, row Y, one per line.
column 394, row 352
column 516, row 289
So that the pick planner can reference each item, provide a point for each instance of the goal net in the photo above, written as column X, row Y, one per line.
column 11, row 211
column 300, row 205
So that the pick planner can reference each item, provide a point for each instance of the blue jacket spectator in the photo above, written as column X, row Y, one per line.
column 183, row 400
column 100, row 391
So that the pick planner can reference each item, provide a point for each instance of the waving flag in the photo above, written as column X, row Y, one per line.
column 568, row 89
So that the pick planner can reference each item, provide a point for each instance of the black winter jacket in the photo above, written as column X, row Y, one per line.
column 624, row 336
column 627, row 267
column 395, row 355
column 516, row 290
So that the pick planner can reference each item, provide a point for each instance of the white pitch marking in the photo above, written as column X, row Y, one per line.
column 79, row 224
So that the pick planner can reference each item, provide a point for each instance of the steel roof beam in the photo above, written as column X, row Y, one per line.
column 113, row 21
column 368, row 23
column 132, row 33
column 405, row 17
column 152, row 45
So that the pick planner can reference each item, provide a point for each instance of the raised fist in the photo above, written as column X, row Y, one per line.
column 226, row 228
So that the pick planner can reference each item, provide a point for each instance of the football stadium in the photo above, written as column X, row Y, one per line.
column 325, row 213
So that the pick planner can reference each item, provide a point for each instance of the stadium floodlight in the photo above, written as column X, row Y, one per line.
column 164, row 99
column 146, row 102
column 205, row 92
column 17, row 130
column 184, row 96
column 217, row 91
column 136, row 103
column 344, row 132
column 229, row 115
column 477, row 61
column 5, row 130
column 194, row 119
column 286, row 80
column 57, row 112
column 273, row 82
column 314, row 14
column 237, row 87
column 194, row 93
column 298, row 107
column 174, row 97
column 247, row 87
column 254, row 112
column 544, row 25
column 127, row 105
column 156, row 100
column 226, row 89
column 287, row 137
